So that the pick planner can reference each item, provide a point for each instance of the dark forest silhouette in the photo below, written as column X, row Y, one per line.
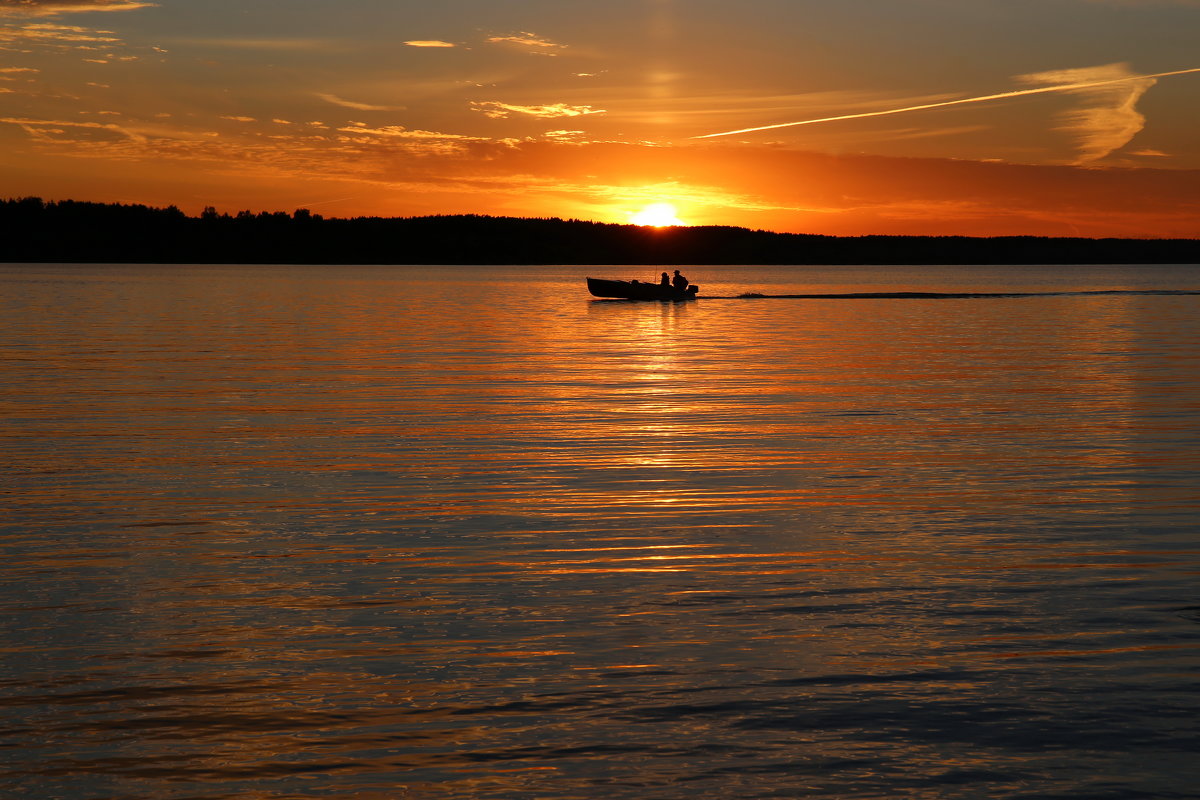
column 70, row 231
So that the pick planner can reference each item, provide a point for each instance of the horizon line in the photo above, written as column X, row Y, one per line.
column 318, row 218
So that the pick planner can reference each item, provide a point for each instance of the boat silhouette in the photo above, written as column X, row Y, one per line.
column 636, row 290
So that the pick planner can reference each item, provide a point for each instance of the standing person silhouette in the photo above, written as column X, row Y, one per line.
column 679, row 282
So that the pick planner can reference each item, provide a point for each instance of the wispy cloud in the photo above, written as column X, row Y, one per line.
column 1109, row 118
column 37, row 128
column 55, row 8
column 530, row 42
column 58, row 36
column 414, row 142
column 1105, row 122
column 401, row 132
column 282, row 43
column 94, row 45
column 338, row 101
column 498, row 110
column 387, row 142
column 430, row 43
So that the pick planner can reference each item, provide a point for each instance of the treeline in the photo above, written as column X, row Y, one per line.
column 33, row 230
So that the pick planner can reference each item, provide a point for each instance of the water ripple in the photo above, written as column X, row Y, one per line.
column 406, row 532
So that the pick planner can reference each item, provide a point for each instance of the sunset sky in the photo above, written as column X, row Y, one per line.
column 982, row 117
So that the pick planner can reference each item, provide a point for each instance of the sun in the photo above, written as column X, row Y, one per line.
column 657, row 215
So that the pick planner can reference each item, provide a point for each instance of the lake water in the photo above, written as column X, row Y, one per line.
column 380, row 532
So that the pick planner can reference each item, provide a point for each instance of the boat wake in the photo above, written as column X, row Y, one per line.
column 948, row 295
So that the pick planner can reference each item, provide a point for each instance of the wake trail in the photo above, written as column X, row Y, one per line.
column 948, row 295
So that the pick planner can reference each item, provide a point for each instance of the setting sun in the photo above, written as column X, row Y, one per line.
column 539, row 110
column 657, row 215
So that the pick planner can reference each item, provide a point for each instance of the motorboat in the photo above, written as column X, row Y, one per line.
column 636, row 290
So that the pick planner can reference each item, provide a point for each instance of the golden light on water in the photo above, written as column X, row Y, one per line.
column 657, row 215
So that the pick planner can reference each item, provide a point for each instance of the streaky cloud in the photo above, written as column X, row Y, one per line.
column 54, row 8
column 399, row 131
column 498, row 110
column 527, row 39
column 31, row 126
column 338, row 101
column 47, row 33
column 1069, row 87
column 265, row 43
column 430, row 43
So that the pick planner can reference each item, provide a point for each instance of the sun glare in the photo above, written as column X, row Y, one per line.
column 657, row 215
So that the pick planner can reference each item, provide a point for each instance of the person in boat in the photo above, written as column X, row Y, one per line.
column 679, row 282
column 666, row 280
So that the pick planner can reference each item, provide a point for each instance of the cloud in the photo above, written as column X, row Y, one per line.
column 430, row 43
column 338, row 101
column 57, row 36
column 240, row 119
column 530, row 42
column 387, row 147
column 54, row 8
column 1108, row 122
column 498, row 110
column 38, row 127
column 281, row 43
column 1109, row 118
column 100, row 46
column 9, row 70
column 399, row 131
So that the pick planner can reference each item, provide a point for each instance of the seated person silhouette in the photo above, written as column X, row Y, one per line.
column 679, row 282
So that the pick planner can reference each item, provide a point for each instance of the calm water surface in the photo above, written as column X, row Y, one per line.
column 379, row 532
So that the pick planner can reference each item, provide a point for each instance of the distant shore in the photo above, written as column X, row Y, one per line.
column 79, row 232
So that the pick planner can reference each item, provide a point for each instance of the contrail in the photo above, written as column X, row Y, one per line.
column 1018, row 93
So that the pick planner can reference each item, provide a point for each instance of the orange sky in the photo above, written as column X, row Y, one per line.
column 974, row 117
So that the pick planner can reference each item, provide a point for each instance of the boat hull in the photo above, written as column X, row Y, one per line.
column 629, row 290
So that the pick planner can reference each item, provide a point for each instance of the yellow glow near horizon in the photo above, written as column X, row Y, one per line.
column 657, row 215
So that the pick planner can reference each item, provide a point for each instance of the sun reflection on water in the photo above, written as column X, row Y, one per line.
column 383, row 527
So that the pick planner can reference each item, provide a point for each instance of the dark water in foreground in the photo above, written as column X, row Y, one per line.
column 277, row 532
